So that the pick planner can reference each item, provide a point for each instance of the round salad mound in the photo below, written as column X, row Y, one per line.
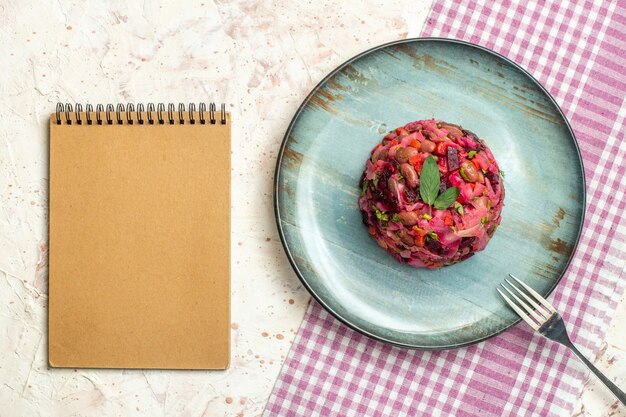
column 431, row 194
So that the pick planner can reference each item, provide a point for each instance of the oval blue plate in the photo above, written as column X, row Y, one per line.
column 323, row 155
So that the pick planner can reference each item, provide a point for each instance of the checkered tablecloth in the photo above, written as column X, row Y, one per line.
column 576, row 50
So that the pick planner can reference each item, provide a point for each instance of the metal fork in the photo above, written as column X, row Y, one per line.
column 542, row 317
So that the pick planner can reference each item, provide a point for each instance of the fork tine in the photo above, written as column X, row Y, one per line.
column 542, row 310
column 519, row 311
column 540, row 319
column 539, row 298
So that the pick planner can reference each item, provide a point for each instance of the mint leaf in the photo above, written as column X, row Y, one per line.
column 395, row 217
column 429, row 181
column 364, row 188
column 471, row 154
column 501, row 173
column 446, row 198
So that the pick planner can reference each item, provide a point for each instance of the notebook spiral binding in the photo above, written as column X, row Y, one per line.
column 113, row 115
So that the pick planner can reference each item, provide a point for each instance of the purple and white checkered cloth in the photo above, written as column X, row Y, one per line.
column 576, row 50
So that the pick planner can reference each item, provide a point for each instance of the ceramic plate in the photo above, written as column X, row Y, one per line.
column 323, row 155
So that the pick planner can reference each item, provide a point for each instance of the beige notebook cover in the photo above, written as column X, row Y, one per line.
column 139, row 241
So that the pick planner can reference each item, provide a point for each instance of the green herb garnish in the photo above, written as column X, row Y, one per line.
column 446, row 198
column 427, row 216
column 383, row 217
column 471, row 154
column 433, row 235
column 375, row 182
column 484, row 220
column 395, row 217
column 430, row 182
column 463, row 174
column 459, row 207
column 501, row 173
column 364, row 188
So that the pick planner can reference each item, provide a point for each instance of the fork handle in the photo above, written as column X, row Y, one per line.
column 621, row 396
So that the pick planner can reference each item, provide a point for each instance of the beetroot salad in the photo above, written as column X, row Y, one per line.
column 431, row 194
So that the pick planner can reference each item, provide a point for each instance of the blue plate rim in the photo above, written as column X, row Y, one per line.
column 279, row 160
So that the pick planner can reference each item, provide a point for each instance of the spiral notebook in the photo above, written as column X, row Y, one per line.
column 139, row 268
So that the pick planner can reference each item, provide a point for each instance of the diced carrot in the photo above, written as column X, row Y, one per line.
column 417, row 162
column 402, row 131
column 441, row 148
column 419, row 231
column 480, row 161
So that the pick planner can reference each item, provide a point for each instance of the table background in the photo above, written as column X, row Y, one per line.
column 261, row 58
